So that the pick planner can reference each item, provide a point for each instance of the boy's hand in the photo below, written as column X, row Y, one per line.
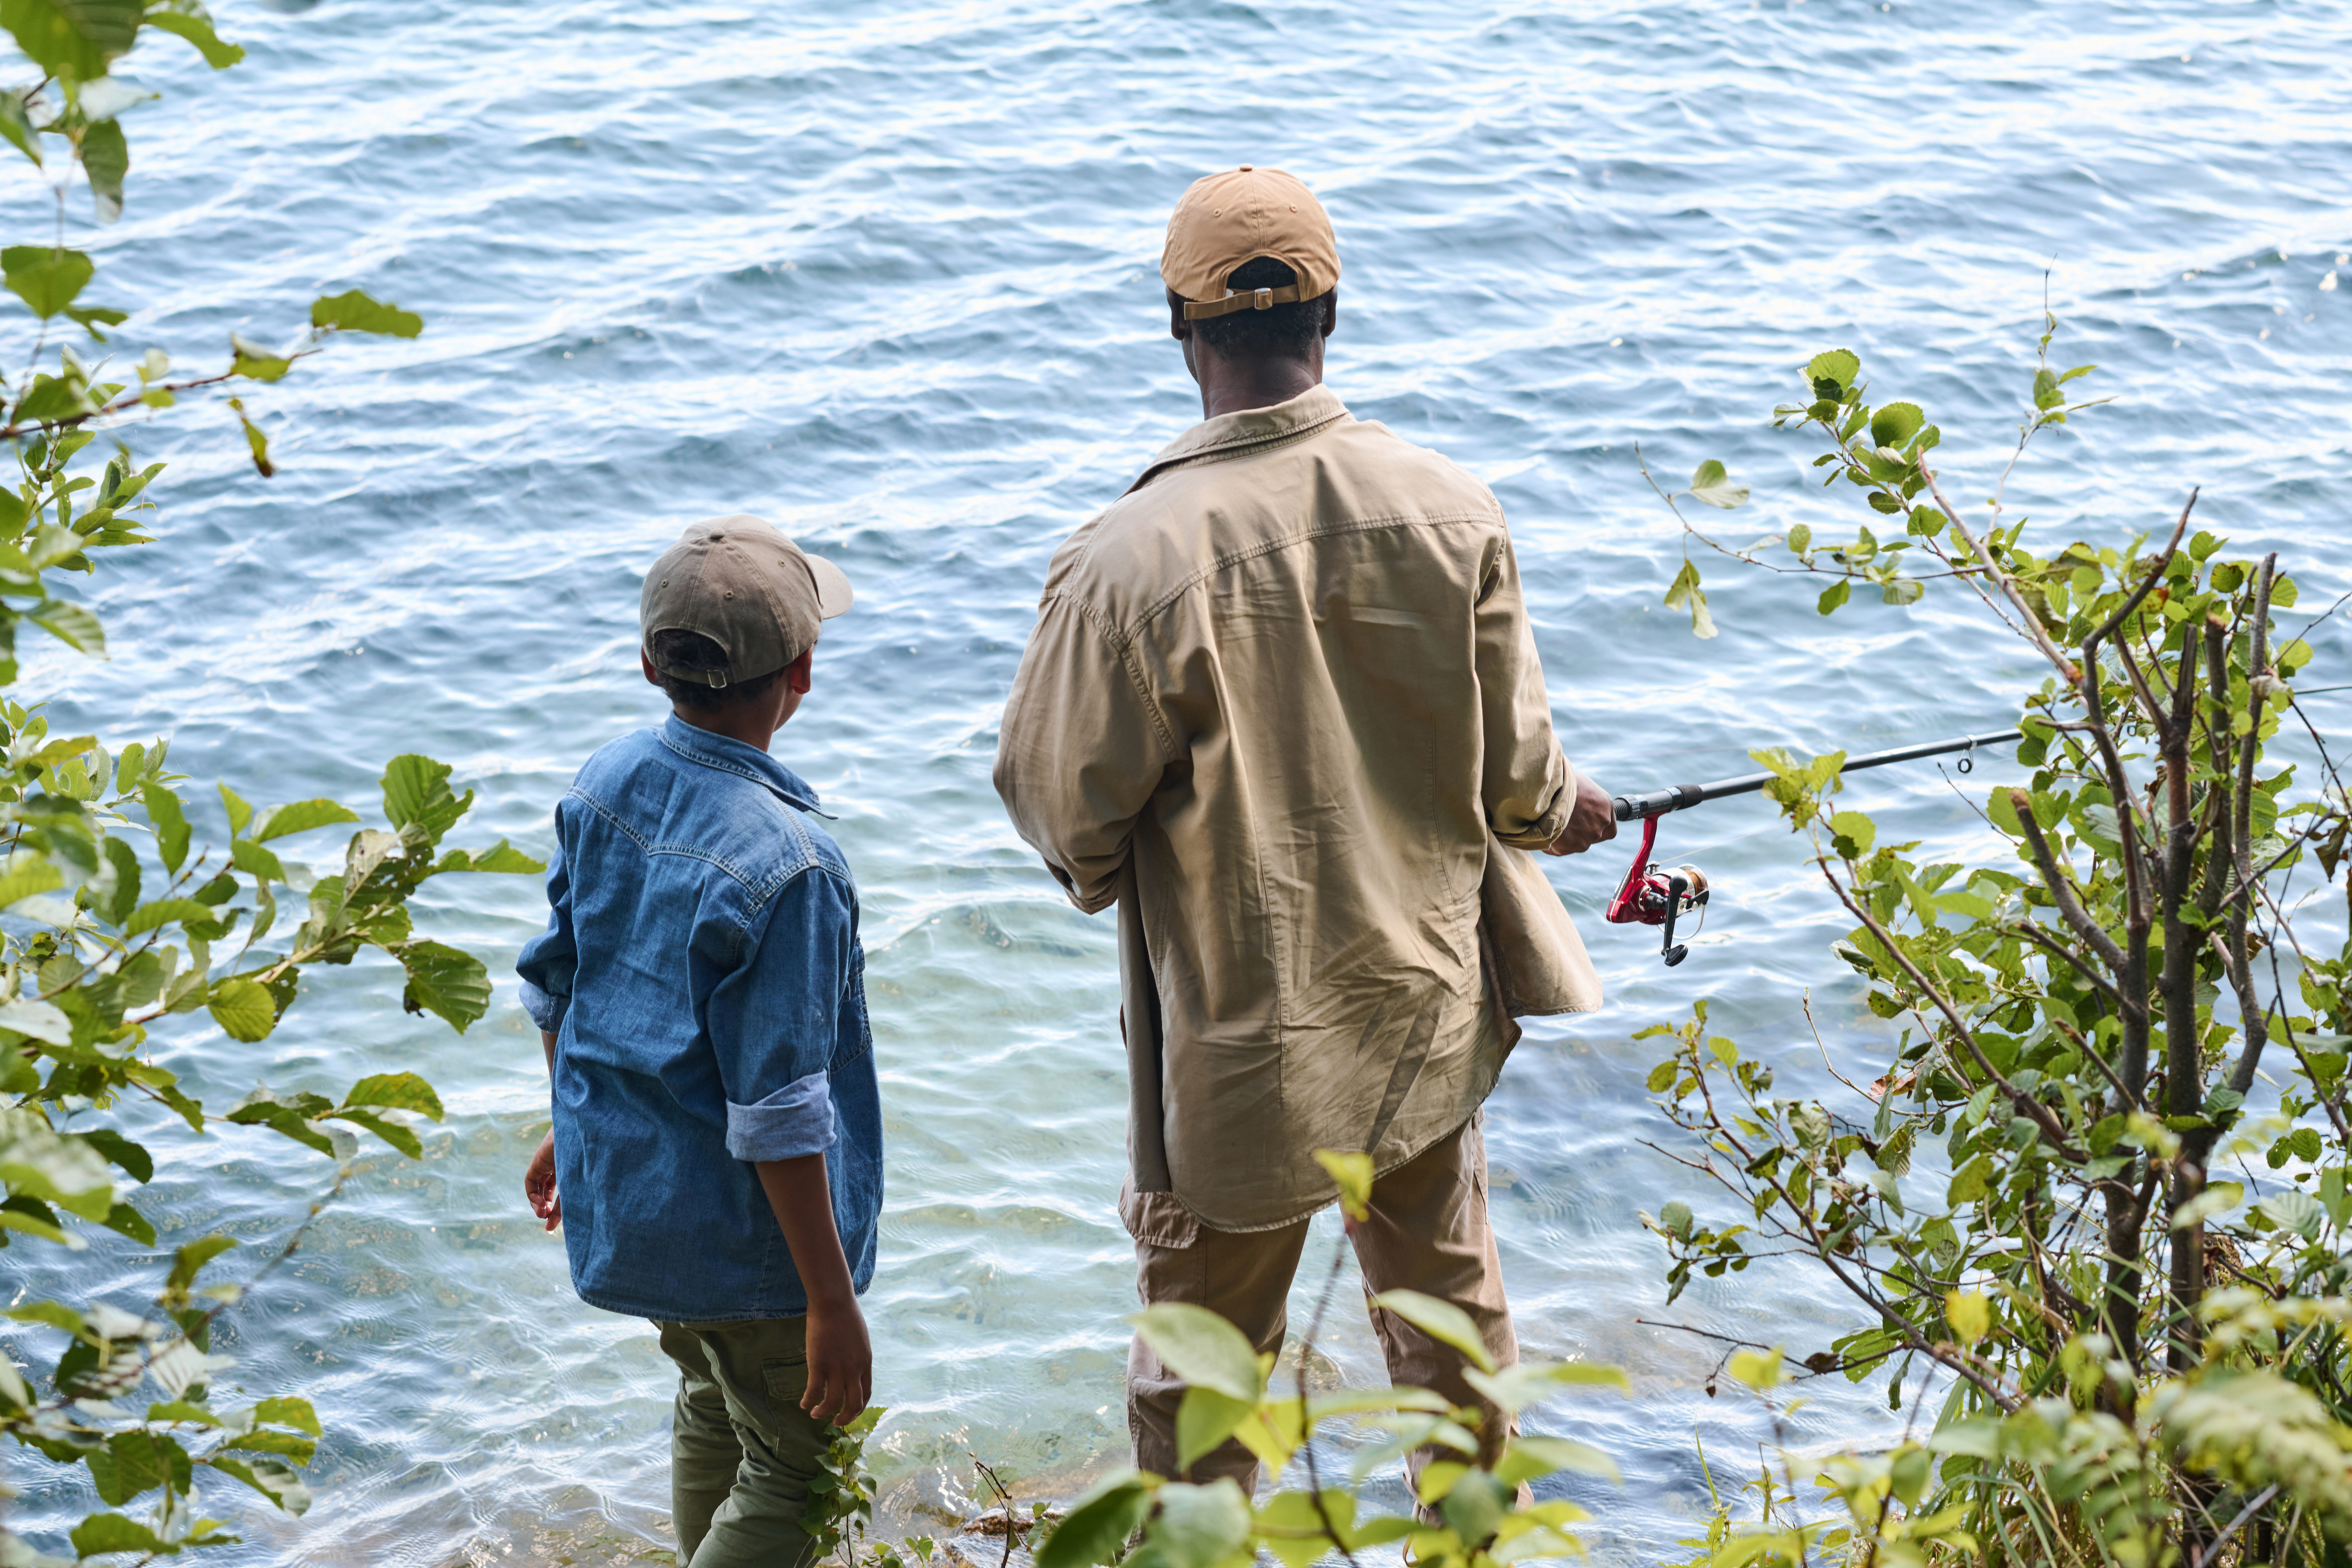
column 840, row 1361
column 539, row 1183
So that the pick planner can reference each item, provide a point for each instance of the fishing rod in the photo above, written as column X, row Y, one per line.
column 1653, row 895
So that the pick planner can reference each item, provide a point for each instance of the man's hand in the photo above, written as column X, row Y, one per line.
column 1592, row 820
column 539, row 1183
column 840, row 1361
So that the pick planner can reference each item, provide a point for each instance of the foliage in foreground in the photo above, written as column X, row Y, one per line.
column 1469, row 1466
column 2056, row 1200
column 115, row 939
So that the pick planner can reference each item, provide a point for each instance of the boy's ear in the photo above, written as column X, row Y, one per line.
column 796, row 674
column 646, row 663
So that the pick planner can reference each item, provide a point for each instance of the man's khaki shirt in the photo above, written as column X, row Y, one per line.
column 1283, row 706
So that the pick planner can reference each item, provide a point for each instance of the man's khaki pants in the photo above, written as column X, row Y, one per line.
column 1428, row 1232
column 741, row 1450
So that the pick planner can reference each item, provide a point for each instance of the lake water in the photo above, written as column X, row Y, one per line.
column 886, row 273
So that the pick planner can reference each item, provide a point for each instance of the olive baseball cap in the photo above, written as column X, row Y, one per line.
column 1239, row 216
column 741, row 583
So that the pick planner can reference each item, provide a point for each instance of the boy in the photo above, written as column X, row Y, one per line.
column 716, row 1159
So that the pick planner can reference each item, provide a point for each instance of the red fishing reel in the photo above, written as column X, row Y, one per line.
column 1655, row 895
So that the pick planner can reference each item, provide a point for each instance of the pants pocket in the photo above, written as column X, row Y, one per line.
column 784, row 1379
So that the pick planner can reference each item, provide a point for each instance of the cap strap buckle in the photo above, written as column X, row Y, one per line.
column 1254, row 300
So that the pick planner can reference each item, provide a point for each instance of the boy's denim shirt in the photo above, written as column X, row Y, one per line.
column 702, row 974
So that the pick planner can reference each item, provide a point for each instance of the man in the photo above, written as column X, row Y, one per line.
column 1283, row 707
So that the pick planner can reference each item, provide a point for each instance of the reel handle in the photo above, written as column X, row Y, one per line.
column 1673, row 952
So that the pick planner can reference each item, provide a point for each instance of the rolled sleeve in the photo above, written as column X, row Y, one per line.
column 546, row 1009
column 796, row 1120
column 773, row 1023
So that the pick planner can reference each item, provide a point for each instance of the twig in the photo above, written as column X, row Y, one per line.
column 1306, row 1431
column 2215, row 1550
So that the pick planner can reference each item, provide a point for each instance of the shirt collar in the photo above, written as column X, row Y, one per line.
column 732, row 757
column 1231, row 435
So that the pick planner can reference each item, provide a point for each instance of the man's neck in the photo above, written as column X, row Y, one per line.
column 1238, row 385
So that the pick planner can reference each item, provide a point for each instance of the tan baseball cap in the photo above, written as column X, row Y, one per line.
column 741, row 583
column 1239, row 216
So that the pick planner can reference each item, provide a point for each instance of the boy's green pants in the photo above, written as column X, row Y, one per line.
column 742, row 1451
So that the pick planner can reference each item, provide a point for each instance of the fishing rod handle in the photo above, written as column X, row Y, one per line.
column 1657, row 803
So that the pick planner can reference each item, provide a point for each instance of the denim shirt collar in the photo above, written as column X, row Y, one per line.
column 731, row 756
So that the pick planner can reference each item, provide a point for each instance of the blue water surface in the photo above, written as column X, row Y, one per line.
column 884, row 272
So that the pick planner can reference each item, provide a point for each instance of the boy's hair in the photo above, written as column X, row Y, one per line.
column 1281, row 332
column 692, row 650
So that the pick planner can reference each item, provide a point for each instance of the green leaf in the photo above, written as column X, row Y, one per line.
column 1837, row 593
column 71, row 625
column 271, row 1477
column 257, row 862
column 443, row 981
column 288, row 1410
column 125, row 896
column 498, row 857
column 121, row 1151
column 17, row 126
column 1800, row 539
column 37, row 1163
column 244, row 1008
column 171, row 824
column 1529, row 1458
column 240, row 811
column 1970, row 1315
column 401, row 1138
column 1096, row 1529
column 46, row 278
column 416, row 790
column 198, row 30
column 1194, row 1526
column 356, row 312
column 257, row 363
column 300, row 816
column 1857, row 827
column 1833, row 374
column 37, row 1019
column 1759, row 1370
column 1203, row 1349
column 163, row 912
column 106, row 158
column 75, row 38
column 397, row 1090
column 1352, row 1174
column 136, row 1462
column 1440, row 1321
column 1895, row 424
column 1971, row 1181
column 1685, row 589
column 1709, row 484
column 102, row 1533
column 189, row 1260
column 27, row 873
column 1514, row 1388
column 255, row 441
column 1205, row 1419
